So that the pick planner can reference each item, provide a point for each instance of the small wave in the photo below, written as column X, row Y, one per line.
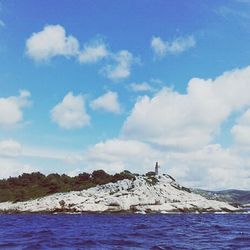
column 136, row 234
column 86, row 244
column 27, row 234
column 221, row 228
column 121, row 242
column 242, row 238
column 161, row 248
column 155, row 232
column 8, row 245
column 141, row 226
column 34, row 246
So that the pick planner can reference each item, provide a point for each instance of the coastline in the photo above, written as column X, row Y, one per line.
column 163, row 195
column 11, row 212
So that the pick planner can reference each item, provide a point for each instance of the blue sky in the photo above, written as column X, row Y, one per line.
column 121, row 84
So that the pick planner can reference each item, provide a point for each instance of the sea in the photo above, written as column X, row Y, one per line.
column 125, row 231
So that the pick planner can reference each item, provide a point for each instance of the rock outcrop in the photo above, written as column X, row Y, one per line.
column 155, row 193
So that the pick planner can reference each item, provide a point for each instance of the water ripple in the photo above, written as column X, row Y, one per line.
column 107, row 231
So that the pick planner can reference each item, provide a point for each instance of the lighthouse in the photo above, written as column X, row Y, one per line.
column 156, row 168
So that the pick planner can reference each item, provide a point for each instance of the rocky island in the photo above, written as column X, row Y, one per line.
column 141, row 194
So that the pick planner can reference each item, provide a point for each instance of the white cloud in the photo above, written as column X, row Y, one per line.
column 50, row 42
column 189, row 120
column 116, row 155
column 11, row 167
column 141, row 87
column 241, row 130
column 210, row 167
column 53, row 41
column 121, row 69
column 71, row 112
column 93, row 53
column 159, row 128
column 158, row 45
column 162, row 48
column 108, row 102
column 74, row 172
column 11, row 108
column 10, row 163
column 10, row 148
column 47, row 153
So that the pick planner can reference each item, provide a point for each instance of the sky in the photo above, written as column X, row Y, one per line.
column 117, row 85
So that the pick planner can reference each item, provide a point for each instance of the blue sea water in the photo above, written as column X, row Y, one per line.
column 121, row 231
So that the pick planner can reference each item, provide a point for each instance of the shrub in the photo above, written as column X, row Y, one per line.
column 35, row 185
column 151, row 173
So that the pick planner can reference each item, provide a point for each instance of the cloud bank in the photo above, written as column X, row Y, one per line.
column 179, row 130
column 189, row 120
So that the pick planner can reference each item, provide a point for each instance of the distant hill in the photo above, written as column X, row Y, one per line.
column 231, row 195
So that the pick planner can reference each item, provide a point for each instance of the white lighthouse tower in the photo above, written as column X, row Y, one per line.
column 156, row 168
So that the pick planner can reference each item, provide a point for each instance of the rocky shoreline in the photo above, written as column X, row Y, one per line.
column 125, row 212
column 144, row 194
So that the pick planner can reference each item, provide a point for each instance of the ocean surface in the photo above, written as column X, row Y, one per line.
column 117, row 231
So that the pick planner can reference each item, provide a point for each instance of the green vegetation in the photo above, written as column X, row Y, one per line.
column 35, row 185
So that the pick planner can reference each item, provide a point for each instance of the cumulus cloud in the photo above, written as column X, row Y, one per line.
column 178, row 130
column 11, row 167
column 53, row 41
column 121, row 68
column 71, row 112
column 50, row 42
column 116, row 155
column 108, row 102
column 10, row 163
column 158, row 45
column 189, row 120
column 93, row 53
column 161, row 48
column 10, row 148
column 11, row 108
column 211, row 167
column 241, row 130
column 141, row 87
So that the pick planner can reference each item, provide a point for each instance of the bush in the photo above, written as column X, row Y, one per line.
column 123, row 175
column 100, row 174
column 35, row 185
column 151, row 173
